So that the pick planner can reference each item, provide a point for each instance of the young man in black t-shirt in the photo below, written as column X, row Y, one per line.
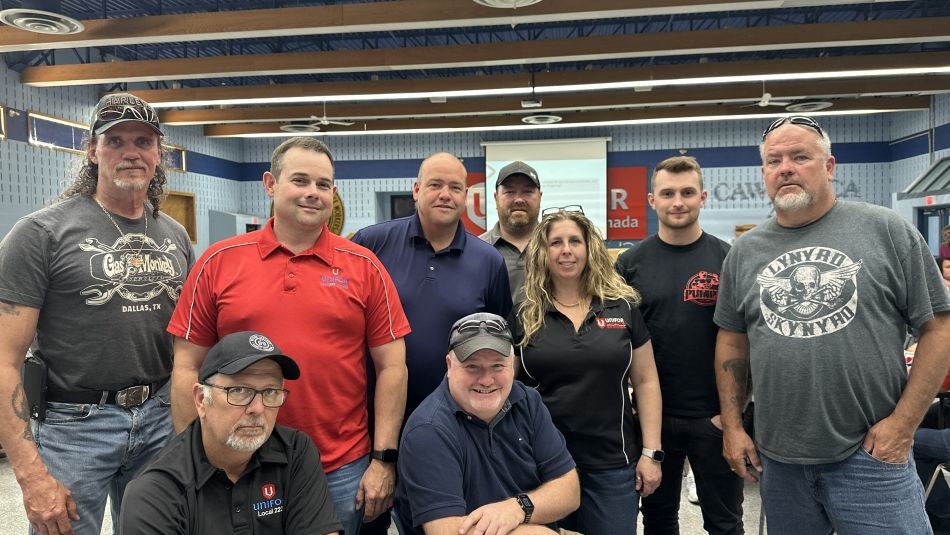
column 677, row 273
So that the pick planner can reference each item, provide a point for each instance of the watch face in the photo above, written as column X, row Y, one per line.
column 525, row 502
column 659, row 456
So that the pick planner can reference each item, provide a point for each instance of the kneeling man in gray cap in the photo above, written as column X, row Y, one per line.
column 480, row 454
column 232, row 470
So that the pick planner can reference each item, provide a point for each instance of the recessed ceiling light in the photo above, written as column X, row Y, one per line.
column 506, row 4
column 299, row 127
column 38, row 21
column 808, row 106
column 541, row 118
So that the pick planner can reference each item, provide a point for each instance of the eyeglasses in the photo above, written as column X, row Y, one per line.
column 242, row 396
column 573, row 208
column 471, row 328
column 800, row 120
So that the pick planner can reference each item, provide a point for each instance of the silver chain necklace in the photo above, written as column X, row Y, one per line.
column 135, row 259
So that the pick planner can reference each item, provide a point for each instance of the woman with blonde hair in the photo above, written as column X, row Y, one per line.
column 582, row 342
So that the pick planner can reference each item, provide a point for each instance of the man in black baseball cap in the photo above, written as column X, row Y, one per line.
column 518, row 202
column 233, row 467
column 482, row 446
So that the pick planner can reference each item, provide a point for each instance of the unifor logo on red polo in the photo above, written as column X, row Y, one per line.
column 268, row 490
column 611, row 323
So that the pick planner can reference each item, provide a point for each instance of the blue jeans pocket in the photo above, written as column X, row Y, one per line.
column 896, row 466
column 64, row 413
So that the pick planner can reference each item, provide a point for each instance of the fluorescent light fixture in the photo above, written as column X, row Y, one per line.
column 564, row 125
column 348, row 98
column 631, row 84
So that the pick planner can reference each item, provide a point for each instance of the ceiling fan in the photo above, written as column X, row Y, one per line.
column 766, row 100
column 324, row 121
column 314, row 124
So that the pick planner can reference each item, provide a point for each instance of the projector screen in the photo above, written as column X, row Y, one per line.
column 571, row 171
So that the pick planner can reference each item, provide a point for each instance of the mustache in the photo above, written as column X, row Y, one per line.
column 250, row 421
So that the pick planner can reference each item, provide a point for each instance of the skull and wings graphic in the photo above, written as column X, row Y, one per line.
column 807, row 289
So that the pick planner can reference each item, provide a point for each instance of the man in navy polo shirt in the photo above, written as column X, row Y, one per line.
column 481, row 451
column 232, row 470
column 440, row 271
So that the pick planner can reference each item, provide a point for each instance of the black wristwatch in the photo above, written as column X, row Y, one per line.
column 656, row 455
column 525, row 502
column 386, row 456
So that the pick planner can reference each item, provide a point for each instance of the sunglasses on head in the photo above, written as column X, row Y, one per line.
column 800, row 120
column 468, row 329
column 573, row 208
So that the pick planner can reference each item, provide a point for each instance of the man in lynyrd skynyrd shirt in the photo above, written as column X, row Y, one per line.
column 817, row 301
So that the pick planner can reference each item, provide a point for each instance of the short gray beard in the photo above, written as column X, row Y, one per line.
column 246, row 444
column 126, row 186
column 793, row 202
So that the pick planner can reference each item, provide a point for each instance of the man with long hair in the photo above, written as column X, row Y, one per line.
column 88, row 284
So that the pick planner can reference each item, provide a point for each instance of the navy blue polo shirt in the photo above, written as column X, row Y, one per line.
column 451, row 463
column 436, row 289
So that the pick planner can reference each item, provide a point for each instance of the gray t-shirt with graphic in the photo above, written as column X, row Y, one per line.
column 825, row 307
column 104, row 298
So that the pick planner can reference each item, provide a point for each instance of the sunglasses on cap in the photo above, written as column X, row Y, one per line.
column 573, row 208
column 470, row 328
column 800, row 120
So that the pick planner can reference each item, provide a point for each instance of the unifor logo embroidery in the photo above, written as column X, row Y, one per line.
column 268, row 490
column 134, row 267
column 611, row 323
column 809, row 292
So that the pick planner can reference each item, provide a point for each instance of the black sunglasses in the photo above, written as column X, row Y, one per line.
column 800, row 120
column 573, row 208
column 468, row 329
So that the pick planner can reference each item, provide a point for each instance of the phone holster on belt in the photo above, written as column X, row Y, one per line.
column 34, row 385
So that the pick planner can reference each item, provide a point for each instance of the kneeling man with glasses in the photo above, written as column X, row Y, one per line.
column 232, row 470
column 480, row 454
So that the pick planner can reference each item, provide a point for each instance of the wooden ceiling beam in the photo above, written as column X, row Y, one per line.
column 792, row 36
column 666, row 96
column 348, row 18
column 224, row 94
column 882, row 104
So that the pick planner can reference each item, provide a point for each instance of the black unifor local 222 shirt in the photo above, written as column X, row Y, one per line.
column 582, row 378
column 283, row 490
column 679, row 286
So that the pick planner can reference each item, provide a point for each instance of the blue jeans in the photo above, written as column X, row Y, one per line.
column 931, row 447
column 609, row 501
column 95, row 450
column 343, row 483
column 859, row 495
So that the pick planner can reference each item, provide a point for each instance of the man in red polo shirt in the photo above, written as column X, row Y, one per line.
column 321, row 298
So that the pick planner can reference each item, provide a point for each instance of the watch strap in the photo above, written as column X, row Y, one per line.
column 386, row 456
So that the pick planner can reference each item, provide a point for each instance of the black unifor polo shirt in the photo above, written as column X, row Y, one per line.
column 283, row 490
column 582, row 378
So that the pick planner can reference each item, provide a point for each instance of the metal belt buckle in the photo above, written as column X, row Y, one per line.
column 132, row 396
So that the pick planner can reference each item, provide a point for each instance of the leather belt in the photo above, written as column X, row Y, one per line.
column 132, row 396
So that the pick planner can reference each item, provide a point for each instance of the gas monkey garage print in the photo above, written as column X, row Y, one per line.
column 809, row 292
column 134, row 267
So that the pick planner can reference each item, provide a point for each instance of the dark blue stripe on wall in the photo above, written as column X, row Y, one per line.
column 942, row 137
column 845, row 153
column 355, row 169
column 909, row 147
column 213, row 166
